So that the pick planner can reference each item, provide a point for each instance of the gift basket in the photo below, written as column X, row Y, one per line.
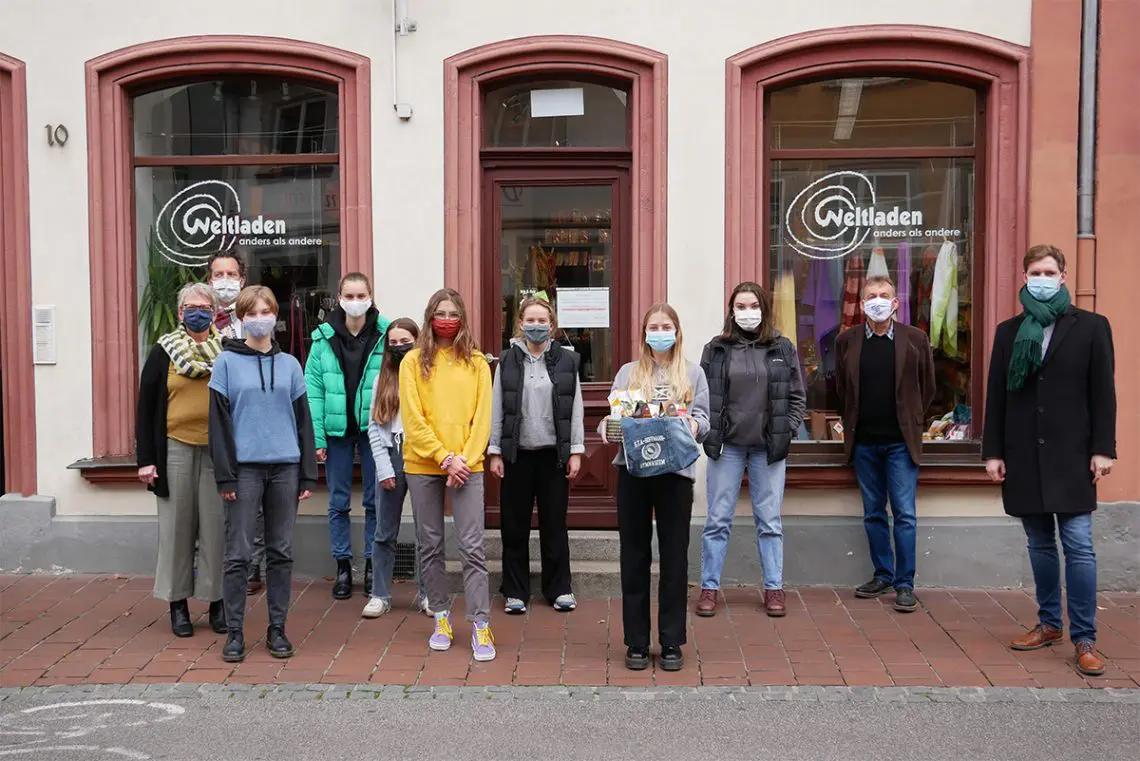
column 655, row 436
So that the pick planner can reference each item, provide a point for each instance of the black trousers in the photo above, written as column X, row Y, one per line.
column 670, row 498
column 535, row 476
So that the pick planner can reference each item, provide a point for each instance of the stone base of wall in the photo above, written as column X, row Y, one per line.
column 823, row 551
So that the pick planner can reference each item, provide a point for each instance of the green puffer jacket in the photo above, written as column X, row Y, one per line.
column 324, row 379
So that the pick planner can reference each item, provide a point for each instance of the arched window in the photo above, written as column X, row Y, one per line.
column 887, row 150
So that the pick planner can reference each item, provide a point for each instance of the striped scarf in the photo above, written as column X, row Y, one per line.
column 190, row 358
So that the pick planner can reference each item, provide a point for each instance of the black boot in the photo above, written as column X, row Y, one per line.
column 342, row 588
column 637, row 658
column 278, row 644
column 180, row 619
column 368, row 577
column 672, row 659
column 234, row 649
column 218, row 617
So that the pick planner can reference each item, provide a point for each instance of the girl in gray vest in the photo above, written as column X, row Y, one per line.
column 757, row 402
column 537, row 441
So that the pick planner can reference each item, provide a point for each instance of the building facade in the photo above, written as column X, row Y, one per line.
column 612, row 157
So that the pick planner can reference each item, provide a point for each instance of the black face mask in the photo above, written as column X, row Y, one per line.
column 399, row 352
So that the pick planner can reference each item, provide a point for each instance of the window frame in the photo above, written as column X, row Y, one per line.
column 112, row 80
column 818, row 452
column 997, row 70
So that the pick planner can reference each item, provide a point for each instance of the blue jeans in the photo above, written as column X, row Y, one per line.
column 388, row 530
column 766, row 489
column 338, row 476
column 886, row 470
column 1080, row 571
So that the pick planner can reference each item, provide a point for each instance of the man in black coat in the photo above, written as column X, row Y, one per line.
column 1050, row 436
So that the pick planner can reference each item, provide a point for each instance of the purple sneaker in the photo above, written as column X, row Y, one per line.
column 441, row 639
column 483, row 642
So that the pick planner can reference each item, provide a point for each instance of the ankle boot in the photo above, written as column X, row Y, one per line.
column 180, row 619
column 342, row 588
column 278, row 644
column 218, row 617
column 234, row 649
column 368, row 577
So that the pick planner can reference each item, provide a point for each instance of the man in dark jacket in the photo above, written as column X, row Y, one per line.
column 885, row 380
column 1050, row 436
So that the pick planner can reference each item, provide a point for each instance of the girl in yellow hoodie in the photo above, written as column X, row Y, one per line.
column 445, row 400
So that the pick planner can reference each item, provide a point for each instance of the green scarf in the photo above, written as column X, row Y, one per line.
column 1031, row 334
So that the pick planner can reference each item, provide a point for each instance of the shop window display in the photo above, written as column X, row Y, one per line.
column 854, row 197
column 244, row 165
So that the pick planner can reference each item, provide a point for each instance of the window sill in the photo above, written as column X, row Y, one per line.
column 124, row 470
column 823, row 465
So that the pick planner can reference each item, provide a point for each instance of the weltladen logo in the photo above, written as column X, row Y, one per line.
column 204, row 219
column 827, row 221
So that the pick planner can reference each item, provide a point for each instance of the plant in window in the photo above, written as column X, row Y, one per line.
column 158, row 307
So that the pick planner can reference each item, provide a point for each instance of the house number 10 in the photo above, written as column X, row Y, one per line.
column 56, row 135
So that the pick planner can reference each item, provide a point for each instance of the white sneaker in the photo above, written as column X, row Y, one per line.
column 515, row 606
column 565, row 603
column 376, row 607
column 423, row 606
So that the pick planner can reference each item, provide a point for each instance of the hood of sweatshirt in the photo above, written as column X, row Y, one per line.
column 238, row 346
column 337, row 325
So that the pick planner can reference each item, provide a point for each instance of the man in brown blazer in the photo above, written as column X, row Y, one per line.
column 885, row 378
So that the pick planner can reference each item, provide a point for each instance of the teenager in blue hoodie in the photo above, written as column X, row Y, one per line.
column 264, row 453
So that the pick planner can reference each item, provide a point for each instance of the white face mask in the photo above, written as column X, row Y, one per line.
column 356, row 308
column 748, row 319
column 226, row 289
column 878, row 309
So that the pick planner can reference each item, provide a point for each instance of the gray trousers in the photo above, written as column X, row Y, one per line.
column 192, row 514
column 467, row 510
column 274, row 489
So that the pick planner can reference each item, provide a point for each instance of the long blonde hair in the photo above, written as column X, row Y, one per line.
column 463, row 344
column 386, row 400
column 676, row 373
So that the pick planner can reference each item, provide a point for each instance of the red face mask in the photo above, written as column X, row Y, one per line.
column 444, row 327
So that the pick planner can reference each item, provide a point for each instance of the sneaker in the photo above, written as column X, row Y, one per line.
column 441, row 639
column 376, row 607
column 672, row 659
column 421, row 604
column 565, row 603
column 483, row 642
column 637, row 658
column 515, row 606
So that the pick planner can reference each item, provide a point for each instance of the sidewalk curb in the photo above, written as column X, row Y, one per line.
column 739, row 695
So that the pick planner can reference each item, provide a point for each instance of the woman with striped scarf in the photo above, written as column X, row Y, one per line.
column 171, row 435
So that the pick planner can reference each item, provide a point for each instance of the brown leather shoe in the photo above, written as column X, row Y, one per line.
column 706, row 605
column 1041, row 636
column 774, row 603
column 1088, row 663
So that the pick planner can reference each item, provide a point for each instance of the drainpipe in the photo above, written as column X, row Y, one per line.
column 1086, row 158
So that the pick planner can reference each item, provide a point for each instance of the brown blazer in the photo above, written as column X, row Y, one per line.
column 914, row 383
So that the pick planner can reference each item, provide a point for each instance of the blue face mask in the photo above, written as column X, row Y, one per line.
column 197, row 319
column 1043, row 287
column 661, row 340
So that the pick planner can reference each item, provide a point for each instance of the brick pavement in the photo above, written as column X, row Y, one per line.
column 86, row 629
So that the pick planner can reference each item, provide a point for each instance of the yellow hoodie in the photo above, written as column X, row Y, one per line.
column 448, row 412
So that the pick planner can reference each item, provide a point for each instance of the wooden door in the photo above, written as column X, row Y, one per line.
column 563, row 232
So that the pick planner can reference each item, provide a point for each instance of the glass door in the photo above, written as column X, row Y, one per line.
column 561, row 238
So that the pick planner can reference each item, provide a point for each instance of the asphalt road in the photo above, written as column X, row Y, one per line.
column 63, row 728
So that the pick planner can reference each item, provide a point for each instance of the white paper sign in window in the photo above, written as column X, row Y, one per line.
column 584, row 307
column 565, row 101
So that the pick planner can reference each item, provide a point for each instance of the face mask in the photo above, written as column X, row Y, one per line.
column 878, row 310
column 399, row 352
column 197, row 319
column 444, row 327
column 226, row 290
column 1043, row 287
column 537, row 334
column 661, row 340
column 259, row 327
column 748, row 319
column 356, row 308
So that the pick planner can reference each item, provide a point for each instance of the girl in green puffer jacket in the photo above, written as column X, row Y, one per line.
column 341, row 370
